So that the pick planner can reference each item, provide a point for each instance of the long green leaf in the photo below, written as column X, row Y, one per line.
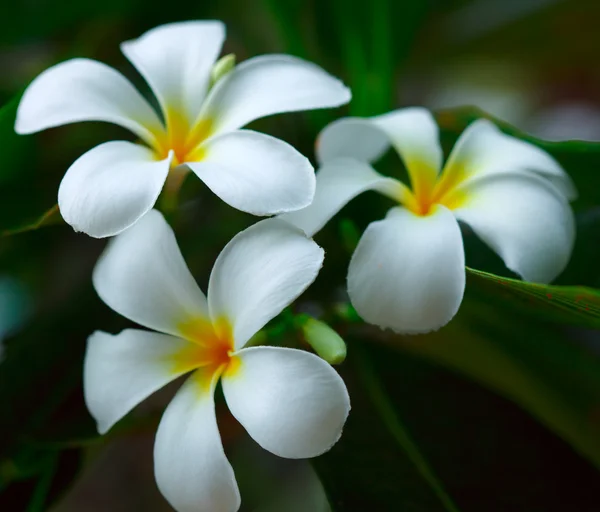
column 574, row 305
column 528, row 362
column 389, row 416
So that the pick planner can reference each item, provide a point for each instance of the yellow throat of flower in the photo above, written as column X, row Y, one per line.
column 211, row 347
column 183, row 139
column 430, row 189
column 183, row 136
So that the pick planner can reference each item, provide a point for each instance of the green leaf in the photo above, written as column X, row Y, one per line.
column 376, row 465
column 574, row 305
column 390, row 418
column 423, row 435
column 534, row 364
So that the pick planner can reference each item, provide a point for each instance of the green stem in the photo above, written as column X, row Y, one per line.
column 396, row 428
column 169, row 198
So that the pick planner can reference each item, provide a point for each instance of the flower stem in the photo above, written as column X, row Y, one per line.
column 170, row 194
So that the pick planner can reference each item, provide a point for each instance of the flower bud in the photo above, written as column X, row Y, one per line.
column 222, row 67
column 327, row 343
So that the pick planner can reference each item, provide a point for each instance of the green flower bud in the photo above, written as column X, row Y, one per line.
column 221, row 68
column 327, row 343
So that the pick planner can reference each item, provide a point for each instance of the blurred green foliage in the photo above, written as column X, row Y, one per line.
column 500, row 410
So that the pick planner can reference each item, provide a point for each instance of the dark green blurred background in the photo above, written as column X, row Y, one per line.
column 499, row 411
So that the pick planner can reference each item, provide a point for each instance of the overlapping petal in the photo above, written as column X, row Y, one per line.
column 525, row 220
column 260, row 272
column 483, row 150
column 271, row 84
column 415, row 135
column 176, row 60
column 291, row 402
column 256, row 173
column 85, row 90
column 351, row 137
column 120, row 371
column 338, row 182
column 142, row 276
column 110, row 187
column 190, row 466
column 408, row 271
column 412, row 131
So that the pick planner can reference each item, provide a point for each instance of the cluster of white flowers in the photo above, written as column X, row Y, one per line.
column 407, row 273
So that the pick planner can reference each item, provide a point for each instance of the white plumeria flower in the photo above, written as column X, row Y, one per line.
column 408, row 271
column 113, row 185
column 291, row 402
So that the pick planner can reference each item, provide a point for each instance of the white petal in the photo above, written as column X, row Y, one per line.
column 338, row 182
column 142, row 276
column 408, row 271
column 415, row 135
column 271, row 84
column 260, row 272
column 483, row 150
column 256, row 173
column 122, row 370
column 412, row 131
column 351, row 137
column 190, row 466
column 525, row 220
column 291, row 402
column 110, row 187
column 84, row 90
column 176, row 59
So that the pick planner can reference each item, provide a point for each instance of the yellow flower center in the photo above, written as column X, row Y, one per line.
column 429, row 189
column 211, row 347
column 183, row 138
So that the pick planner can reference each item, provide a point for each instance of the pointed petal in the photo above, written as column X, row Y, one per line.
column 84, row 90
column 271, row 84
column 256, row 173
column 483, row 150
column 176, row 60
column 351, row 137
column 291, row 402
column 142, row 276
column 110, row 187
column 190, row 466
column 412, row 131
column 122, row 370
column 260, row 272
column 525, row 220
column 415, row 135
column 408, row 271
column 338, row 182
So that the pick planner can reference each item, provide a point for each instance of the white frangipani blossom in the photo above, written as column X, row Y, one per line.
column 291, row 402
column 408, row 270
column 114, row 184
